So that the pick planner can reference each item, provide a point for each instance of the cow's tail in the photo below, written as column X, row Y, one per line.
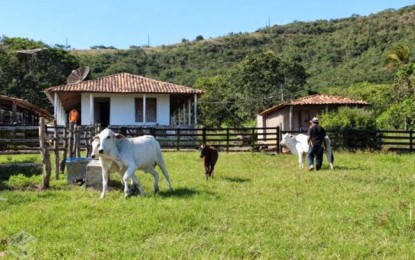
column 162, row 165
column 330, row 155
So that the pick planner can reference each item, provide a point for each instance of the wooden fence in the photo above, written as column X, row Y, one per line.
column 25, row 139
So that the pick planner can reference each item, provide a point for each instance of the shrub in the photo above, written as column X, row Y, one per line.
column 352, row 128
column 349, row 118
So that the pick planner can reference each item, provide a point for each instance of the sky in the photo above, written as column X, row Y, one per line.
column 124, row 23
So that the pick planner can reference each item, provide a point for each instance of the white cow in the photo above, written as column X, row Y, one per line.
column 115, row 167
column 298, row 144
column 139, row 153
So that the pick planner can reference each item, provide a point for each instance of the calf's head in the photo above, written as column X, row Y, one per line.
column 95, row 145
column 203, row 150
column 108, row 142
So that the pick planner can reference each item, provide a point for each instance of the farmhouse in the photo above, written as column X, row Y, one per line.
column 16, row 111
column 126, row 99
column 295, row 115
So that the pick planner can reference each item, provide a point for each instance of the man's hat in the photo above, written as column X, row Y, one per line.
column 315, row 120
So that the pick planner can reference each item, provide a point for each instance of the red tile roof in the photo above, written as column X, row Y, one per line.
column 316, row 100
column 124, row 83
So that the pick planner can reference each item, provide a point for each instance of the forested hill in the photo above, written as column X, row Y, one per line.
column 337, row 52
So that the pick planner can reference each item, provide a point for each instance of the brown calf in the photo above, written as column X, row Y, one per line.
column 210, row 156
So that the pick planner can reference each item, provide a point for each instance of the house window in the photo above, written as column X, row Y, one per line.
column 150, row 110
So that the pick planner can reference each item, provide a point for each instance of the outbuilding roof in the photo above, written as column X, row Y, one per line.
column 8, row 101
column 124, row 83
column 316, row 100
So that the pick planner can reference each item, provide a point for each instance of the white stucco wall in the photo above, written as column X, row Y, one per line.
column 122, row 108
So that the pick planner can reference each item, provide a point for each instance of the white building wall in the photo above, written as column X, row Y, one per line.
column 122, row 109
column 85, row 109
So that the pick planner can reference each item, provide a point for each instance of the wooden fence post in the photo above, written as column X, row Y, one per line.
column 227, row 140
column 253, row 139
column 65, row 149
column 204, row 135
column 71, row 141
column 45, row 154
column 78, row 141
column 178, row 139
column 56, row 148
column 278, row 139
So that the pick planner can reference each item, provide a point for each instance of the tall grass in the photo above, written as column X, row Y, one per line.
column 257, row 206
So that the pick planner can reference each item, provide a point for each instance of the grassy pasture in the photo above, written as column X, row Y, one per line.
column 257, row 206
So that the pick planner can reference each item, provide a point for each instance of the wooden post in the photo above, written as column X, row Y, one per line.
column 88, row 138
column 178, row 139
column 227, row 140
column 204, row 135
column 78, row 141
column 71, row 141
column 65, row 149
column 45, row 154
column 278, row 139
column 56, row 148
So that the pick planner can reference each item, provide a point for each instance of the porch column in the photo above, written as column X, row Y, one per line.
column 291, row 118
column 144, row 109
column 179, row 119
column 91, row 109
column 55, row 106
column 195, row 108
column 189, row 116
column 14, row 112
column 184, row 114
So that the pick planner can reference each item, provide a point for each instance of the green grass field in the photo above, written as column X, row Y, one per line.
column 257, row 206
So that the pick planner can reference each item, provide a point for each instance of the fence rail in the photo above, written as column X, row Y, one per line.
column 26, row 138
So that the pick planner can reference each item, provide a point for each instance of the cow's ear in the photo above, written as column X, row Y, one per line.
column 119, row 136
column 96, row 137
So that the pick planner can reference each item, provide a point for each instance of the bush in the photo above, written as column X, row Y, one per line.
column 394, row 117
column 349, row 118
column 352, row 128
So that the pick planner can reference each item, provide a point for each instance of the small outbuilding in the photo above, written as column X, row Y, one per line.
column 16, row 111
column 295, row 115
column 126, row 99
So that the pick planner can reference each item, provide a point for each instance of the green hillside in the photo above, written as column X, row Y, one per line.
column 337, row 52
column 243, row 73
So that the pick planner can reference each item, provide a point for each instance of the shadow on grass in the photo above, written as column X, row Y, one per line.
column 236, row 179
column 345, row 168
column 180, row 192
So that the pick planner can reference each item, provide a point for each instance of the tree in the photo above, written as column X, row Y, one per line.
column 397, row 56
column 254, row 84
column 401, row 113
column 398, row 116
column 28, row 67
column 215, row 107
column 262, row 80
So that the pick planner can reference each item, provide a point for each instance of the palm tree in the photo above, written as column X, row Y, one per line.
column 397, row 57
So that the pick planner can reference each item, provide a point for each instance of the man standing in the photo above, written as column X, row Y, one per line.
column 316, row 134
column 73, row 116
